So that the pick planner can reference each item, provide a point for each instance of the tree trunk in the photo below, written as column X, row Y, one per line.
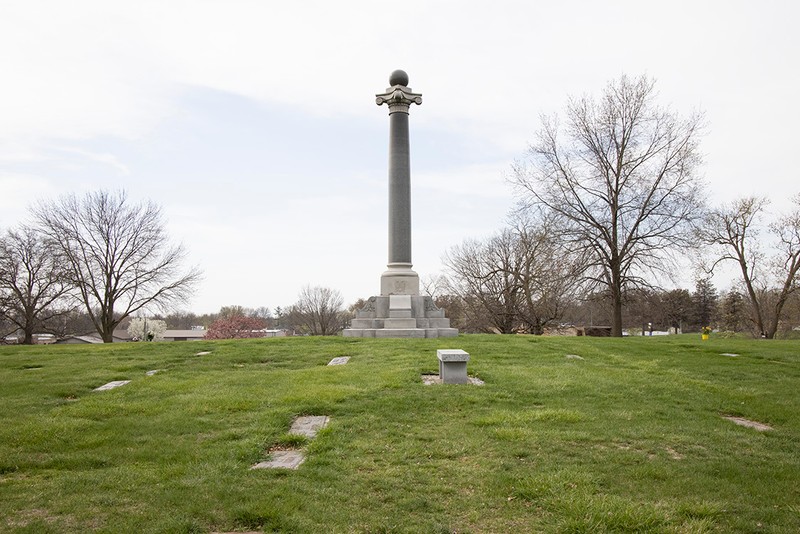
column 28, row 329
column 616, row 298
column 616, row 314
column 107, row 331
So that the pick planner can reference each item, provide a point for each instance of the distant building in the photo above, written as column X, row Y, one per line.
column 274, row 333
column 195, row 334
column 44, row 339
column 564, row 330
column 79, row 340
column 89, row 338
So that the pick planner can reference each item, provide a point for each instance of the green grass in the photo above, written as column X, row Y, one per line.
column 629, row 439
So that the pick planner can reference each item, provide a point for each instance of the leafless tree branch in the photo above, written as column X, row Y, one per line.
column 623, row 181
column 118, row 255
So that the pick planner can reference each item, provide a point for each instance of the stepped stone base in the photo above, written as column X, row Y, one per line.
column 404, row 316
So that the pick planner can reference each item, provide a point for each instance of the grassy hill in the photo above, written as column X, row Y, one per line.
column 628, row 439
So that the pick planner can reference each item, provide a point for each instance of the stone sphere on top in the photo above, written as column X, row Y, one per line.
column 398, row 77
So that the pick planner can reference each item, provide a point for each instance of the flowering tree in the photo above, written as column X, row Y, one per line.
column 236, row 327
column 141, row 329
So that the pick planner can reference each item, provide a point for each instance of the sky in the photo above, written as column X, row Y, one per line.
column 253, row 124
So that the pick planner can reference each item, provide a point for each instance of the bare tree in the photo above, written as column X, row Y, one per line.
column 624, row 182
column 547, row 274
column 520, row 280
column 482, row 273
column 235, row 310
column 319, row 311
column 33, row 281
column 731, row 311
column 676, row 308
column 769, row 273
column 118, row 255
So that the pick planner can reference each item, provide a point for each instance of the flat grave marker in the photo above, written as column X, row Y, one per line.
column 282, row 460
column 309, row 425
column 306, row 425
column 112, row 385
column 341, row 360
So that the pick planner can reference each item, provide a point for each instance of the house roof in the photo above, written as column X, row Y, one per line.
column 83, row 339
column 184, row 333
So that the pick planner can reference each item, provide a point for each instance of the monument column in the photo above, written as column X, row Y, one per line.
column 399, row 311
column 399, row 279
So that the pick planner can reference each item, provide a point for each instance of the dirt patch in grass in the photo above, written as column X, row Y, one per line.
column 675, row 455
column 431, row 380
column 37, row 516
column 741, row 421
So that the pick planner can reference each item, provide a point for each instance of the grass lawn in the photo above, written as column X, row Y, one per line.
column 628, row 439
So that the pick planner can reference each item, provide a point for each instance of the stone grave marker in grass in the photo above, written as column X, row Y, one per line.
column 573, row 357
column 341, row 360
column 203, row 353
column 112, row 385
column 307, row 426
column 452, row 365
column 729, row 354
column 452, row 369
column 432, row 380
column 282, row 460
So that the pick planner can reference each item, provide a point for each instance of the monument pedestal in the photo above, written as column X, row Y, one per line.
column 400, row 316
column 399, row 279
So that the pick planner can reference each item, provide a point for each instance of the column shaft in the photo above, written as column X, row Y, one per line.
column 399, row 191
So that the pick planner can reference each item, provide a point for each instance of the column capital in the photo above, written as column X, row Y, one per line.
column 399, row 98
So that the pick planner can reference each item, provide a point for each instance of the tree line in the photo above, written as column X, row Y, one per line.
column 644, row 309
column 318, row 311
column 99, row 258
column 100, row 262
column 609, row 199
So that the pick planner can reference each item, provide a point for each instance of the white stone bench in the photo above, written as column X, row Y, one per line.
column 452, row 365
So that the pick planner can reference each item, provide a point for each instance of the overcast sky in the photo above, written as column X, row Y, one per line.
column 254, row 125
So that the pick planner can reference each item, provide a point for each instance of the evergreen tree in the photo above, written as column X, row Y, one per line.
column 732, row 311
column 704, row 300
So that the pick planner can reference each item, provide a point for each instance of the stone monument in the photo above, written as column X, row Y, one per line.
column 399, row 310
